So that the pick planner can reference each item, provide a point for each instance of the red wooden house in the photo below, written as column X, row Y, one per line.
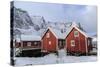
column 77, row 41
column 29, row 42
column 74, row 40
column 52, row 40
column 29, row 45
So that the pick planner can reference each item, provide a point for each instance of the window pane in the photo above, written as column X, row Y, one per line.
column 72, row 43
column 49, row 42
column 76, row 33
column 48, row 35
column 29, row 44
column 35, row 43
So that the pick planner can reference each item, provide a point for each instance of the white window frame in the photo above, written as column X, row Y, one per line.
column 72, row 43
column 76, row 35
column 48, row 35
column 35, row 43
column 29, row 44
column 49, row 42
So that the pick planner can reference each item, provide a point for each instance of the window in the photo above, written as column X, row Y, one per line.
column 49, row 42
column 35, row 43
column 29, row 44
column 76, row 33
column 48, row 35
column 72, row 43
column 61, row 44
column 89, row 42
column 64, row 42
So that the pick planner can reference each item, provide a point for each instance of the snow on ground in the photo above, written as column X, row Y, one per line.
column 53, row 59
column 49, row 59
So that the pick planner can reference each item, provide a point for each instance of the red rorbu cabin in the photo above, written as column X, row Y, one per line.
column 52, row 40
column 29, row 42
column 73, row 40
column 77, row 41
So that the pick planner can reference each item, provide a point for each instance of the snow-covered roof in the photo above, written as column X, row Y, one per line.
column 57, row 33
column 60, row 35
column 74, row 26
column 36, row 35
column 31, row 37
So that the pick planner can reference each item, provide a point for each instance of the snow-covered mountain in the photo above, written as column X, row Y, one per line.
column 21, row 19
column 39, row 22
column 25, row 24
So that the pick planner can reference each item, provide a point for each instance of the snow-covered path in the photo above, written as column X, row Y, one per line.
column 53, row 59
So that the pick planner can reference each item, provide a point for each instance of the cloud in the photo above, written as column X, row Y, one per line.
column 89, row 19
column 86, row 15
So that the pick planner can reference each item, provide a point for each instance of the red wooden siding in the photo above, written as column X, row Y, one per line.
column 52, row 44
column 33, row 45
column 80, row 42
column 45, row 42
column 24, row 44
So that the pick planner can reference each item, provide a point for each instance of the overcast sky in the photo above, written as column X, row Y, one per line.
column 86, row 15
